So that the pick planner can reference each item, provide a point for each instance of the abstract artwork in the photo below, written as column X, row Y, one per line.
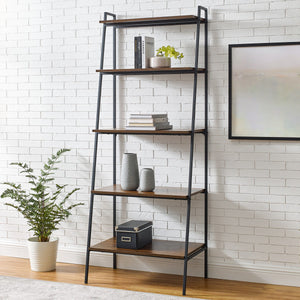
column 264, row 91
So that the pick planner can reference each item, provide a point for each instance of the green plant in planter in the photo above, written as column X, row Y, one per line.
column 43, row 208
column 169, row 51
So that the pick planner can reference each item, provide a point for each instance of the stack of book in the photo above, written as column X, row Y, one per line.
column 149, row 122
column 143, row 50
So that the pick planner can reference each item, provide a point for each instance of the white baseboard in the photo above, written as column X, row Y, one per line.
column 250, row 273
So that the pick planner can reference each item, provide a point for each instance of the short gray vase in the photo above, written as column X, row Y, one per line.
column 129, row 172
column 147, row 180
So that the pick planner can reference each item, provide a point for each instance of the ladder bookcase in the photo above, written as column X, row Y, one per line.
column 158, row 248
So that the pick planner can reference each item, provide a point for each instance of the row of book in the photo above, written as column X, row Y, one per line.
column 143, row 50
column 149, row 122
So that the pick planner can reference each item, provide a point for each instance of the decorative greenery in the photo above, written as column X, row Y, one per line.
column 169, row 51
column 38, row 205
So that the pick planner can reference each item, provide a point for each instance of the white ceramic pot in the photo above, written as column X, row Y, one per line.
column 42, row 254
column 160, row 62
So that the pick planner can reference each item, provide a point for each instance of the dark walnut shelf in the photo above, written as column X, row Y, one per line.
column 158, row 248
column 148, row 132
column 159, row 192
column 157, row 21
column 150, row 71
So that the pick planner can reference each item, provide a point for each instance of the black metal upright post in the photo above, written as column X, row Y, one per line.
column 192, row 142
column 114, row 137
column 95, row 152
column 206, row 145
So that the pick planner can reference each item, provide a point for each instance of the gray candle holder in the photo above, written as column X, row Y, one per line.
column 147, row 181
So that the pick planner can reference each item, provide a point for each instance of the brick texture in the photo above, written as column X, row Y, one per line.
column 49, row 51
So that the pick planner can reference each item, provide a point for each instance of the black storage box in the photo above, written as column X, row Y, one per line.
column 134, row 234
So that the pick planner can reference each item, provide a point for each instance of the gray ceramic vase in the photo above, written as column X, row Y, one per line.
column 147, row 180
column 160, row 62
column 129, row 172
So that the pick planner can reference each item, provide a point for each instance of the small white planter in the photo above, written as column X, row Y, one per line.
column 160, row 62
column 42, row 254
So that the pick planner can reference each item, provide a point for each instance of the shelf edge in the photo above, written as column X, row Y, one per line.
column 149, row 132
column 200, row 247
column 154, row 21
column 135, row 194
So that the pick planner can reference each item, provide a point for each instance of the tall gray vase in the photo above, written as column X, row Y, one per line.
column 129, row 172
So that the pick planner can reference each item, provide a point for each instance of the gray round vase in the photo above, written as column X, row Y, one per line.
column 147, row 180
column 129, row 172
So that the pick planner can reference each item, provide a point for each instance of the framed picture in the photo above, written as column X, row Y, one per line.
column 264, row 91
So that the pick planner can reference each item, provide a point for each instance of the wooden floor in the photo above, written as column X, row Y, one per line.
column 215, row 289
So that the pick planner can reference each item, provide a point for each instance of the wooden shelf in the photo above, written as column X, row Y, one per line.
column 150, row 71
column 157, row 21
column 148, row 132
column 159, row 192
column 158, row 248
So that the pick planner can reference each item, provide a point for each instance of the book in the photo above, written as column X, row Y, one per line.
column 138, row 52
column 148, row 116
column 148, row 121
column 147, row 50
column 148, row 127
column 148, row 124
column 143, row 50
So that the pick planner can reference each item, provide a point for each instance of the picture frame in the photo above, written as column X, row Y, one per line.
column 264, row 91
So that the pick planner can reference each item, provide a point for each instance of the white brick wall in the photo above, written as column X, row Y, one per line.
column 49, row 50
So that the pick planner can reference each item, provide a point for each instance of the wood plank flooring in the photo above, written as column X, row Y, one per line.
column 214, row 289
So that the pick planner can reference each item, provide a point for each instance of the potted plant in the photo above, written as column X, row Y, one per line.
column 43, row 207
column 163, row 57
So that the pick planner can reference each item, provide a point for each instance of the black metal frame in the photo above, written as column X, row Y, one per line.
column 195, row 71
column 230, row 136
column 87, row 263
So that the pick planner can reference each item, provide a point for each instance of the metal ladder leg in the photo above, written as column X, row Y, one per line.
column 95, row 154
column 192, row 142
